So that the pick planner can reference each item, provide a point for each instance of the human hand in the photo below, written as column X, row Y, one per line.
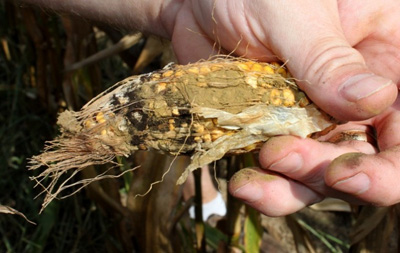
column 327, row 44
column 299, row 172
column 347, row 49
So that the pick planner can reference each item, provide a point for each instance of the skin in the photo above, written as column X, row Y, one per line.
column 345, row 54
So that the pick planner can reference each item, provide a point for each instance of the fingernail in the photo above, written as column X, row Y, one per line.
column 290, row 163
column 355, row 185
column 362, row 86
column 250, row 192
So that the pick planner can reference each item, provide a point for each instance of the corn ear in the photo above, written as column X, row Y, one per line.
column 206, row 109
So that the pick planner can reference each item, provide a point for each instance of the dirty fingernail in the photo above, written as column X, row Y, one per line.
column 362, row 86
column 250, row 192
column 290, row 163
column 355, row 185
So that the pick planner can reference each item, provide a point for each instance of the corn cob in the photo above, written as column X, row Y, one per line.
column 206, row 109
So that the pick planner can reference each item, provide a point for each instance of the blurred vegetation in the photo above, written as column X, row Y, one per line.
column 37, row 47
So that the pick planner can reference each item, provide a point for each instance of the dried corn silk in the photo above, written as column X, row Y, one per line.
column 207, row 109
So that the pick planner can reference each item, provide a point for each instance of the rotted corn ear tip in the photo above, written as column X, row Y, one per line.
column 207, row 109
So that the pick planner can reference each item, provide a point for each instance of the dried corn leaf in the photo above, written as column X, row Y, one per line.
column 207, row 109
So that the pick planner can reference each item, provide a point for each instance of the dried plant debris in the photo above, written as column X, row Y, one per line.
column 10, row 210
column 206, row 110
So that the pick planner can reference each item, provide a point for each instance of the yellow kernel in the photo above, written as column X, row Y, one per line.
column 168, row 73
column 275, row 65
column 216, row 67
column 155, row 77
column 198, row 128
column 288, row 97
column 160, row 87
column 267, row 69
column 179, row 73
column 103, row 132
column 201, row 84
column 282, row 72
column 252, row 81
column 193, row 70
column 251, row 147
column 89, row 123
column 216, row 133
column 303, row 101
column 275, row 97
column 249, row 64
column 206, row 138
column 204, row 70
column 175, row 111
column 100, row 117
column 171, row 127
column 279, row 69
column 243, row 66
column 256, row 67
column 198, row 139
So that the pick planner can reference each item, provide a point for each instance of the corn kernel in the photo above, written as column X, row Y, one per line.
column 267, row 69
column 198, row 128
column 103, row 132
column 243, row 66
column 175, row 111
column 193, row 70
column 249, row 64
column 100, row 117
column 168, row 73
column 202, row 84
column 160, row 87
column 288, row 97
column 251, row 147
column 216, row 67
column 256, row 67
column 89, row 123
column 155, row 77
column 279, row 69
column 252, row 81
column 198, row 139
column 216, row 133
column 206, row 138
column 179, row 73
column 303, row 101
column 275, row 97
column 204, row 70
column 282, row 72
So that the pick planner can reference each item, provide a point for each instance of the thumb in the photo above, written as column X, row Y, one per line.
column 332, row 73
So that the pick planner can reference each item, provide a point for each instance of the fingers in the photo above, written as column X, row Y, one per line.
column 372, row 30
column 271, row 194
column 189, row 41
column 293, row 175
column 371, row 178
column 305, row 160
column 318, row 53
